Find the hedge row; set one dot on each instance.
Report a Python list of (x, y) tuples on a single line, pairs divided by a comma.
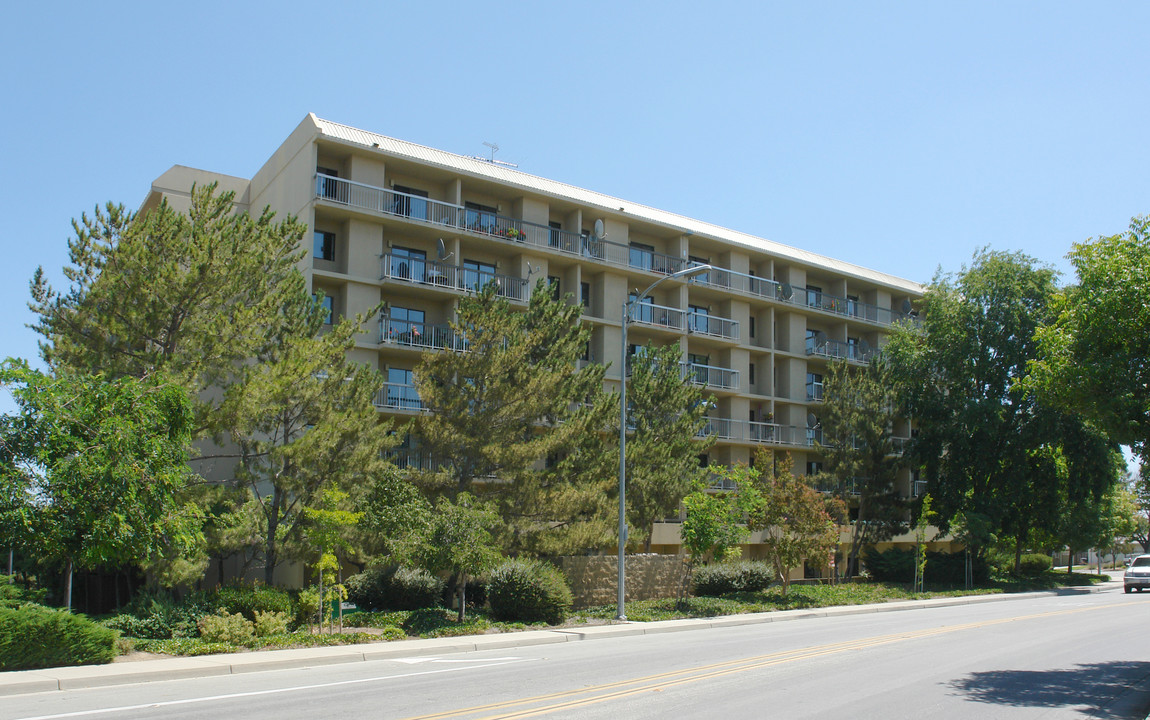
[(34, 636)]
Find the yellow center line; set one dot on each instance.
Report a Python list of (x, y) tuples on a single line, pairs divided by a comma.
[(568, 699)]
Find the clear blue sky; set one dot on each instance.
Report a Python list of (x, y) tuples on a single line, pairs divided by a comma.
[(899, 136)]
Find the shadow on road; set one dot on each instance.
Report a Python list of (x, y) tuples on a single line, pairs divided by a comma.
[(1099, 690)]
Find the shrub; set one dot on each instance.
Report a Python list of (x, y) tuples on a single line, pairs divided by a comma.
[(895, 565), (224, 627), (725, 578), (247, 600), (157, 616), (1034, 564), (12, 595), (529, 591), (271, 623), (33, 636), (394, 588)]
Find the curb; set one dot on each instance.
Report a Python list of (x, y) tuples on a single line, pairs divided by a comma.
[(21, 682)]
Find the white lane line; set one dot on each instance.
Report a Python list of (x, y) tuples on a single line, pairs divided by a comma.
[(254, 693)]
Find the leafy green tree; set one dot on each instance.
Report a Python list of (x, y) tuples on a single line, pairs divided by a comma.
[(667, 415), (859, 455), (457, 538), (714, 524), (510, 401), (93, 470), (327, 525), (792, 517), (990, 448), (1095, 355)]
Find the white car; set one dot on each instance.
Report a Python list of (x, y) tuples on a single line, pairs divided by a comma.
[(1137, 574)]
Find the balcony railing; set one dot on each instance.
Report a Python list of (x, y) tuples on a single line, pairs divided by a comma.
[(437, 212), (710, 375), (420, 335), (437, 274), (836, 349), (918, 488), (397, 396), (815, 391), (658, 316), (850, 487), (754, 432), (407, 459), (712, 325)]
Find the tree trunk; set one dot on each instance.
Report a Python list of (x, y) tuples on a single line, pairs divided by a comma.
[(68, 585), (270, 547), (1018, 556), (462, 595)]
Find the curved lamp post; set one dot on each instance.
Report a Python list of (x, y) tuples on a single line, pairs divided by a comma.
[(687, 272)]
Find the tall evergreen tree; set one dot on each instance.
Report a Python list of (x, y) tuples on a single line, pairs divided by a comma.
[(859, 456), (510, 400), (668, 418)]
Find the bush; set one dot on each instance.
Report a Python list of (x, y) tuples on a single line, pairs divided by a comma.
[(156, 616), (1034, 564), (12, 595), (33, 636), (247, 600), (529, 591), (942, 568), (224, 627), (725, 578), (271, 623), (394, 588)]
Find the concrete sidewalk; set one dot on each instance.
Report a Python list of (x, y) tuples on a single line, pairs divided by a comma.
[(67, 678)]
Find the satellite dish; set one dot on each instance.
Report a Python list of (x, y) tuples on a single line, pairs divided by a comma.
[(600, 232), (906, 307), (812, 421), (440, 249), (786, 291)]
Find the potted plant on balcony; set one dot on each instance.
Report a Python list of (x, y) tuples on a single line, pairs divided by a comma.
[(516, 234)]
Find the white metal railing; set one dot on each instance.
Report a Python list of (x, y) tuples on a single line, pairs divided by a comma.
[(753, 432), (815, 391), (712, 325), (436, 212), (434, 273), (837, 349), (420, 335), (658, 316), (918, 488), (710, 375), (398, 396)]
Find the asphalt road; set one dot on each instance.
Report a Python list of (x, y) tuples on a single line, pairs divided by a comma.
[(1073, 655)]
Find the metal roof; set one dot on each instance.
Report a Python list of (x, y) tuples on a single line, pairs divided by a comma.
[(510, 176)]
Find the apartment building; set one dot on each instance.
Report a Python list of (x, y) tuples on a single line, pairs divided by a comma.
[(419, 228)]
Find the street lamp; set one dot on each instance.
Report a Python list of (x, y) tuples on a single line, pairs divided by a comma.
[(686, 272)]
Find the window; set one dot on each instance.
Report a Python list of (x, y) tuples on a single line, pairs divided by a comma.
[(555, 230), (553, 283), (586, 351), (697, 320), (328, 304), (401, 390), (696, 260), (641, 310), (751, 368), (480, 218), (324, 248), (853, 305), (477, 274), (752, 326), (408, 263), (853, 352), (812, 340), (814, 468), (814, 386), (410, 202), (814, 296), (326, 187), (642, 256), (585, 295), (406, 327)]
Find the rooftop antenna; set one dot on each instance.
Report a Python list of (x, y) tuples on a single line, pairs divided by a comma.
[(491, 159), (494, 149)]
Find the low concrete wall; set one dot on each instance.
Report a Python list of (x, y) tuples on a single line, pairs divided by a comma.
[(594, 578)]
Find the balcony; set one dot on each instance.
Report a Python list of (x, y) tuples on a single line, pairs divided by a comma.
[(712, 325), (838, 350), (408, 459), (659, 316), (421, 209), (396, 396), (753, 432), (420, 335), (850, 487), (451, 277), (710, 375), (814, 392)]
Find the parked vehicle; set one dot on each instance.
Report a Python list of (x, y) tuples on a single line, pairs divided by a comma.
[(1137, 574)]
